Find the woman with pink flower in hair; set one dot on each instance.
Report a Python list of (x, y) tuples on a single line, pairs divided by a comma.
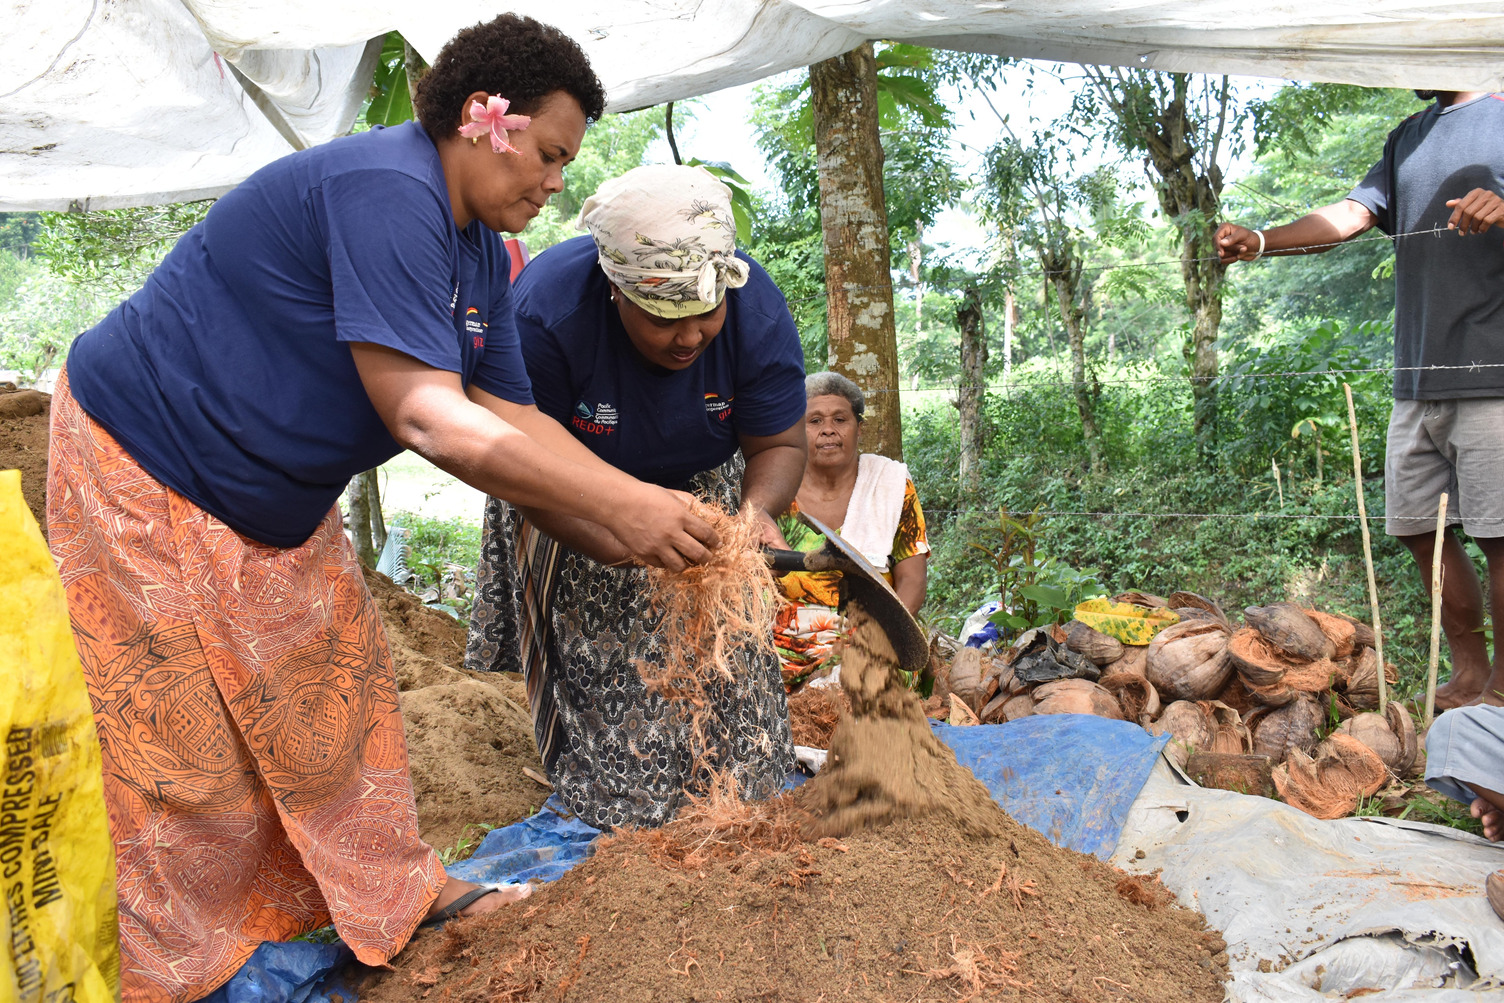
[(343, 303)]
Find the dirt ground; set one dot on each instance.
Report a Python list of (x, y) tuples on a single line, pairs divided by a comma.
[(469, 735), (914, 911), (23, 443)]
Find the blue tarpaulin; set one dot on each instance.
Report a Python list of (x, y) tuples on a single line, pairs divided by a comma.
[(1070, 776)]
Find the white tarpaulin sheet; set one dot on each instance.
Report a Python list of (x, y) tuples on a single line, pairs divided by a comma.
[(1315, 910), (123, 102)]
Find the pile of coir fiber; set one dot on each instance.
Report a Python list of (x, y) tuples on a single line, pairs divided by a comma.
[(951, 899)]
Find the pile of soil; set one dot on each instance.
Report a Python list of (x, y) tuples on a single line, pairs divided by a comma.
[(469, 734), (23, 443), (919, 910), (891, 875)]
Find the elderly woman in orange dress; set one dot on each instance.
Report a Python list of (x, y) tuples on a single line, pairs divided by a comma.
[(873, 505)]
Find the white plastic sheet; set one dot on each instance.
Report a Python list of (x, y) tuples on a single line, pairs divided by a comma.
[(1315, 910), (122, 102)]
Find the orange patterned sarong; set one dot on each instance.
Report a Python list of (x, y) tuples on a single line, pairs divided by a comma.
[(255, 768)]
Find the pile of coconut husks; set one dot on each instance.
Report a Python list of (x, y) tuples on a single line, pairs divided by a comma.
[(1284, 704)]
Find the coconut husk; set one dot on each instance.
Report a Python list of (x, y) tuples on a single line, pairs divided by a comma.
[(960, 713), (1343, 772), (992, 713), (1403, 726), (1287, 626), (1017, 707), (1342, 632), (1256, 658), (1315, 677), (1134, 662), (1235, 694), (1292, 726), (1142, 599), (1075, 696), (1373, 731), (1362, 685), (1362, 632), (1189, 725), (1230, 735), (1245, 774), (1092, 643), (1189, 661), (964, 677), (1187, 604), (1277, 695), (1136, 696)]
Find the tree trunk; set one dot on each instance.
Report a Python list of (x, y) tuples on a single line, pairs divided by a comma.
[(916, 272), (360, 520), (1065, 273), (1010, 322), (371, 479), (854, 224), (973, 387)]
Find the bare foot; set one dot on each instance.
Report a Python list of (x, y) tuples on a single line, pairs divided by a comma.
[(1491, 817), (1458, 693), (454, 889)]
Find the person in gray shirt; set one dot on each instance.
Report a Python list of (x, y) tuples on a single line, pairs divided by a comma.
[(1442, 170)]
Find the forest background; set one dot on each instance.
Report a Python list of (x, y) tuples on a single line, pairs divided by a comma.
[(1087, 405)]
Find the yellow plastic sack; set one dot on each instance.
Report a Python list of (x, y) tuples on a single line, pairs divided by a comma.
[(57, 864), (1126, 621)]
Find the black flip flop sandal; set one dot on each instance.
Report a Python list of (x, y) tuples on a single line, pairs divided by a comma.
[(454, 908)]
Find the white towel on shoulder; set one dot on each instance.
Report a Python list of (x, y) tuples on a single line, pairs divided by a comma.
[(875, 508)]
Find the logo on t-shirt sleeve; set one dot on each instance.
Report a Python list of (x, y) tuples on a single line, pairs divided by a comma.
[(717, 407), (598, 420)]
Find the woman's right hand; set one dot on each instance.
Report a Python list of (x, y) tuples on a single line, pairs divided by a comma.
[(658, 528)]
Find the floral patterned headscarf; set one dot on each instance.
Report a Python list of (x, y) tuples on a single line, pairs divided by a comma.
[(666, 237)]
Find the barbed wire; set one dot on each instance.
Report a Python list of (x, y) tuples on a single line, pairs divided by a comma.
[(1177, 262), (1017, 513), (1221, 379)]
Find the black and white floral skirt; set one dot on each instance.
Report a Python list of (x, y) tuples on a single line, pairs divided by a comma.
[(617, 754)]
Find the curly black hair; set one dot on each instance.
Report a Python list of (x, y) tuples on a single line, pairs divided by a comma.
[(517, 57)]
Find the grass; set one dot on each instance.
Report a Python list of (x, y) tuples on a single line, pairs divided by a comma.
[(469, 839)]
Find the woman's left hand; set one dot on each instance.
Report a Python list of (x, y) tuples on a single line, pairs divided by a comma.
[(771, 536)]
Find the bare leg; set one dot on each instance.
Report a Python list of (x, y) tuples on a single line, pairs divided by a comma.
[(1493, 550), (1461, 613)]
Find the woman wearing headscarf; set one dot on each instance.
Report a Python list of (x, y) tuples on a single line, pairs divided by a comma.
[(342, 303), (869, 500), (672, 357)]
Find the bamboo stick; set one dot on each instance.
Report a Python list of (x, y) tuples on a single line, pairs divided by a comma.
[(1277, 485), (1441, 525), (1373, 588)]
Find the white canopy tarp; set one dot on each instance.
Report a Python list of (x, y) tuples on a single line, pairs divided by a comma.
[(108, 103)]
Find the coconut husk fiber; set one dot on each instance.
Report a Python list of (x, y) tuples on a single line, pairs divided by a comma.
[(729, 903), (709, 611), (1329, 786), (813, 713), (885, 763)]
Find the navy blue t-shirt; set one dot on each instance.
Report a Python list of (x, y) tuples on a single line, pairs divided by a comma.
[(228, 377), (655, 424)]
